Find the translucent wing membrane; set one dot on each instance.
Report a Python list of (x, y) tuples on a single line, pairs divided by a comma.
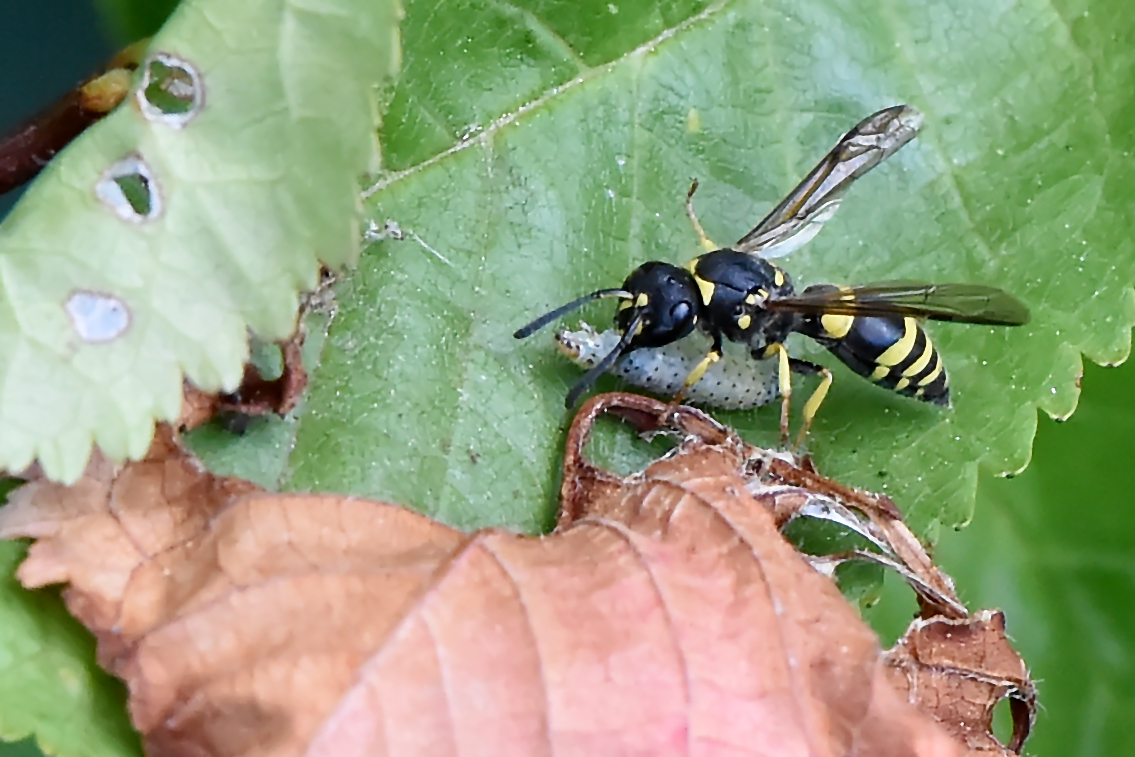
[(802, 214), (967, 303)]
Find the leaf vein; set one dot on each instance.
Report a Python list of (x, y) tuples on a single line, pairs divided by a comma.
[(543, 100)]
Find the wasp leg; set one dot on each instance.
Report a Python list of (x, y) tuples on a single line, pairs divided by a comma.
[(785, 379), (705, 241), (788, 366), (699, 370), (803, 367)]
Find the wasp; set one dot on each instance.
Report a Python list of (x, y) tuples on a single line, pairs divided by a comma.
[(737, 293)]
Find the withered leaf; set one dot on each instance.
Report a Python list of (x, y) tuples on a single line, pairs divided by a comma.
[(666, 615), (958, 670)]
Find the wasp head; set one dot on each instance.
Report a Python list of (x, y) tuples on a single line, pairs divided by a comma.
[(663, 301)]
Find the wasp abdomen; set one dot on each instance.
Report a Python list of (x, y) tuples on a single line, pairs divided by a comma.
[(893, 351)]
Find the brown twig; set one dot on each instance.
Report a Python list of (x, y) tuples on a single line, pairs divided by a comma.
[(31, 145)]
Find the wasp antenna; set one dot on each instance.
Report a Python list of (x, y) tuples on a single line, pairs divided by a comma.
[(544, 320), (608, 360)]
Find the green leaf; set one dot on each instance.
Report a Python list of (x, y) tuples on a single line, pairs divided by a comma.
[(538, 151), (49, 684), (158, 239)]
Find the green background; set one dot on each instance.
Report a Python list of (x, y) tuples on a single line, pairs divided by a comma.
[(1054, 547)]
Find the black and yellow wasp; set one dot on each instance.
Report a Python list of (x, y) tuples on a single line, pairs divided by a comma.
[(735, 293)]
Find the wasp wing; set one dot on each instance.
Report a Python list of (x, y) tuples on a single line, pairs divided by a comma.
[(966, 303), (805, 210)]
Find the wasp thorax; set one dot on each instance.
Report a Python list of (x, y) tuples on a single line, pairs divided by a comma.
[(666, 297)]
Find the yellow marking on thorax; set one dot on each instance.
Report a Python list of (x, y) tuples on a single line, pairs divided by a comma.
[(706, 288), (641, 300), (837, 326), (923, 360), (751, 299), (778, 277), (933, 374), (624, 304), (898, 351), (744, 322)]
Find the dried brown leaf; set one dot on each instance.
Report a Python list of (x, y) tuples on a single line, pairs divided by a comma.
[(958, 670), (665, 616), (95, 534)]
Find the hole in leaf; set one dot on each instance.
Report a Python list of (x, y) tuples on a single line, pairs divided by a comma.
[(1003, 721), (171, 91), (97, 317), (128, 188), (612, 448)]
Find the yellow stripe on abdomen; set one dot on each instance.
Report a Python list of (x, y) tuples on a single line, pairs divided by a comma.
[(929, 378), (895, 354), (919, 365)]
